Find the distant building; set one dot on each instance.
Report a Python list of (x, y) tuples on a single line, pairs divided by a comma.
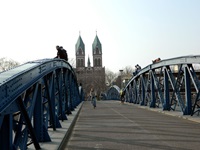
[(90, 75)]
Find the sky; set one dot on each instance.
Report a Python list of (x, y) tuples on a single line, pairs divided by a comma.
[(131, 31)]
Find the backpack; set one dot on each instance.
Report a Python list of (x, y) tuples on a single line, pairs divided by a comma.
[(65, 56)]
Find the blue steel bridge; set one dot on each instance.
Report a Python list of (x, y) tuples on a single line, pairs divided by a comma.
[(34, 97), (171, 84), (37, 96)]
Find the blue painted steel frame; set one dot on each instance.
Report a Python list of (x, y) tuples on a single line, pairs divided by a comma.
[(33, 98), (157, 85), (113, 93)]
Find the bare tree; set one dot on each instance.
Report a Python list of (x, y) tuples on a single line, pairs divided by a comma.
[(196, 67), (123, 76), (72, 62), (128, 71), (110, 77), (6, 64)]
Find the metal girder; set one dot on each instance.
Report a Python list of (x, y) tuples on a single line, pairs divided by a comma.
[(68, 93), (27, 122), (29, 97), (134, 87), (143, 88), (130, 94), (178, 86), (166, 105), (147, 89), (71, 92), (39, 118), (158, 89), (193, 106), (176, 90), (138, 89)]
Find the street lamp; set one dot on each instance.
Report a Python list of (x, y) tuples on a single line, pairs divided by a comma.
[(121, 78)]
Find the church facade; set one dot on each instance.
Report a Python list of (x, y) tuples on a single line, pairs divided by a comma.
[(90, 76)]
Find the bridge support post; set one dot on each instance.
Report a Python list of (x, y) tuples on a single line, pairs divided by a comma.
[(153, 98), (6, 132), (135, 93), (59, 81), (143, 89), (68, 93), (131, 93), (28, 123), (166, 105), (188, 109), (39, 127), (73, 95)]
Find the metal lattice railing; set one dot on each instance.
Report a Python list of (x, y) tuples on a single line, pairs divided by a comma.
[(33, 98), (161, 85)]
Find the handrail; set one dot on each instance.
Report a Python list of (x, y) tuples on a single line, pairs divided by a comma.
[(190, 59)]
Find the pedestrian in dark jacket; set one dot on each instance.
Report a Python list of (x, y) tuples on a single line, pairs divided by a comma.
[(61, 53)]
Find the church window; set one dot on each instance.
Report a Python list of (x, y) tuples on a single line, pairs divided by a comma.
[(81, 62), (95, 62), (80, 51), (97, 50), (78, 63), (99, 62)]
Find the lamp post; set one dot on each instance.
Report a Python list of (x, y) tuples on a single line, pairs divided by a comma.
[(121, 78)]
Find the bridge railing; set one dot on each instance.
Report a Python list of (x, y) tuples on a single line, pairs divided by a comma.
[(161, 85), (33, 98)]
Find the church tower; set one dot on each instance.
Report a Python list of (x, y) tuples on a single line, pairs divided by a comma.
[(80, 53), (97, 53), (87, 74)]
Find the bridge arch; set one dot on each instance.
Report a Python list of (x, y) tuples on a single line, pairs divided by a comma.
[(161, 85), (33, 98), (113, 93)]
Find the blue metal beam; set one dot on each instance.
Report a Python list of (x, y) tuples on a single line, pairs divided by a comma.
[(29, 97), (166, 105), (188, 108)]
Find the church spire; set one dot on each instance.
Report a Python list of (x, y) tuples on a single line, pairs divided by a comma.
[(88, 63), (96, 44), (80, 44), (97, 52), (80, 52)]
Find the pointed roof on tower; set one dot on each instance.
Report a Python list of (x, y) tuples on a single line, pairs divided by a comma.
[(80, 44), (96, 43)]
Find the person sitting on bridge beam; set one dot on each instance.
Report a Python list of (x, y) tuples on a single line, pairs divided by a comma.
[(61, 53), (156, 60), (137, 69)]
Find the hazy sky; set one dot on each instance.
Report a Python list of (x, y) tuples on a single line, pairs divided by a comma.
[(131, 31)]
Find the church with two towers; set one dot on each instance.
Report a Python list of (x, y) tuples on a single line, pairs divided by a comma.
[(90, 76)]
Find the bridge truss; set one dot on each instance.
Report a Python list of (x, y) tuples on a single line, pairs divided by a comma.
[(113, 93), (172, 84), (33, 98)]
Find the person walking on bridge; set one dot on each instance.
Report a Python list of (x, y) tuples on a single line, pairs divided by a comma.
[(122, 93), (93, 97)]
